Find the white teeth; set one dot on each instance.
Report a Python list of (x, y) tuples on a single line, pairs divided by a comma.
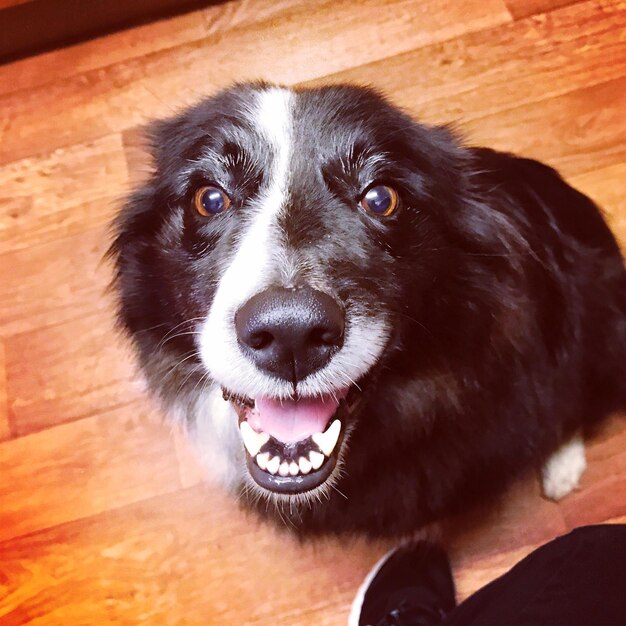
[(328, 440), (316, 459), (305, 465), (251, 439), (262, 459), (272, 466)]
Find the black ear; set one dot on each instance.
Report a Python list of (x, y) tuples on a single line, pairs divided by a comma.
[(411, 585), (180, 138), (171, 141), (577, 215)]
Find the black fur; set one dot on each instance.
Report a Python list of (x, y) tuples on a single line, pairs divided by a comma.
[(506, 289)]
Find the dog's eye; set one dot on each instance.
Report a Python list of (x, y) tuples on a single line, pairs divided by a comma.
[(380, 200), (210, 201)]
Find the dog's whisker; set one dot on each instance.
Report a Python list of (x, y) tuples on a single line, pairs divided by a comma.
[(164, 339)]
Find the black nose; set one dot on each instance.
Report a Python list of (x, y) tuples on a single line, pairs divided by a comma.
[(290, 333)]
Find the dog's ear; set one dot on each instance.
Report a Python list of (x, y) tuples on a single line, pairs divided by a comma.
[(152, 150), (169, 140)]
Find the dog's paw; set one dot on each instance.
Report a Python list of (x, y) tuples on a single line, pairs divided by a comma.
[(563, 469)]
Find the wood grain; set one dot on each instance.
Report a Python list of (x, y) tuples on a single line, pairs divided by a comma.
[(503, 68), (524, 8), (123, 95), (60, 382), (136, 42), (76, 470), (105, 515), (61, 193), (11, 3), (5, 427), (602, 492), (54, 282), (606, 186), (570, 132), (176, 559)]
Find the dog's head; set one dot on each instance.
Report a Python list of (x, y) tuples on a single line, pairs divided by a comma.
[(280, 254)]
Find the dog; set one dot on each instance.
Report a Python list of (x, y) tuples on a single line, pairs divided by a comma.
[(364, 324)]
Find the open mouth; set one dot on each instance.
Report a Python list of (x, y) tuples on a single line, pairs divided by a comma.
[(292, 446)]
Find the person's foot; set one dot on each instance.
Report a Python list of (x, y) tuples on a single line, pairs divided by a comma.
[(411, 586)]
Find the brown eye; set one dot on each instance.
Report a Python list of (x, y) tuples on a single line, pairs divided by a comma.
[(210, 201), (380, 200)]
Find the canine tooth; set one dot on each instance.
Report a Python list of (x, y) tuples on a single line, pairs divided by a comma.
[(283, 470), (251, 439), (272, 465), (328, 440), (294, 470), (262, 459), (305, 465), (316, 459)]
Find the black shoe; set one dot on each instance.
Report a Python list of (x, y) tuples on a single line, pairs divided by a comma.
[(411, 586)]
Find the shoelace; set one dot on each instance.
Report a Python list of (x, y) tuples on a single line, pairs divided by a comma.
[(405, 615)]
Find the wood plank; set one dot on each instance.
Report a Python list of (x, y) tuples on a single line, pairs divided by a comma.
[(5, 426), (135, 42), (602, 491), (576, 133), (67, 371), (321, 46), (468, 580), (34, 27), (524, 8), (472, 574), (61, 193), (11, 3), (83, 468), (68, 61), (108, 519), (518, 518), (189, 549), (506, 67), (124, 95), (239, 13), (185, 550), (137, 155), (54, 282), (607, 187)]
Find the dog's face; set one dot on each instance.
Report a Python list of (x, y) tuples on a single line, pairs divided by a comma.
[(278, 256)]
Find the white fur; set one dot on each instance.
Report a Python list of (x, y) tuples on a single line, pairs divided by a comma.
[(253, 265), (216, 436), (261, 259), (563, 469)]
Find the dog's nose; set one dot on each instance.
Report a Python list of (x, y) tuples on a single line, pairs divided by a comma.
[(290, 333)]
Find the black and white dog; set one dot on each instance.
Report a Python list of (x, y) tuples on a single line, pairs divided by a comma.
[(364, 324)]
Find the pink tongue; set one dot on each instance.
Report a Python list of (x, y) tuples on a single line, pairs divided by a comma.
[(292, 420)]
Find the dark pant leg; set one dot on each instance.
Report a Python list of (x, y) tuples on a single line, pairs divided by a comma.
[(576, 580)]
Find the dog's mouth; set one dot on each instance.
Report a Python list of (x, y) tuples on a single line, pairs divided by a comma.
[(292, 445)]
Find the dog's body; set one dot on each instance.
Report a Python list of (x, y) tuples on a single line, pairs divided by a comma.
[(454, 315)]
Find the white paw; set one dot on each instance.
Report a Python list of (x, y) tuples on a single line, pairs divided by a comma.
[(563, 469)]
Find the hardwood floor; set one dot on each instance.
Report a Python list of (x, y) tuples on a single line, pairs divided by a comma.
[(104, 518)]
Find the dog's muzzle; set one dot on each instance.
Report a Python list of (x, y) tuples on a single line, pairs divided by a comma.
[(292, 444)]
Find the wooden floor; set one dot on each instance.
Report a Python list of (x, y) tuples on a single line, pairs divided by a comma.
[(103, 515)]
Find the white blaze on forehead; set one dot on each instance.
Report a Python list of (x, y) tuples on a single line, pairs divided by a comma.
[(260, 260), (253, 266)]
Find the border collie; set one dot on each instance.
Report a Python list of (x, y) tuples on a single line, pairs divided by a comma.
[(364, 324)]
